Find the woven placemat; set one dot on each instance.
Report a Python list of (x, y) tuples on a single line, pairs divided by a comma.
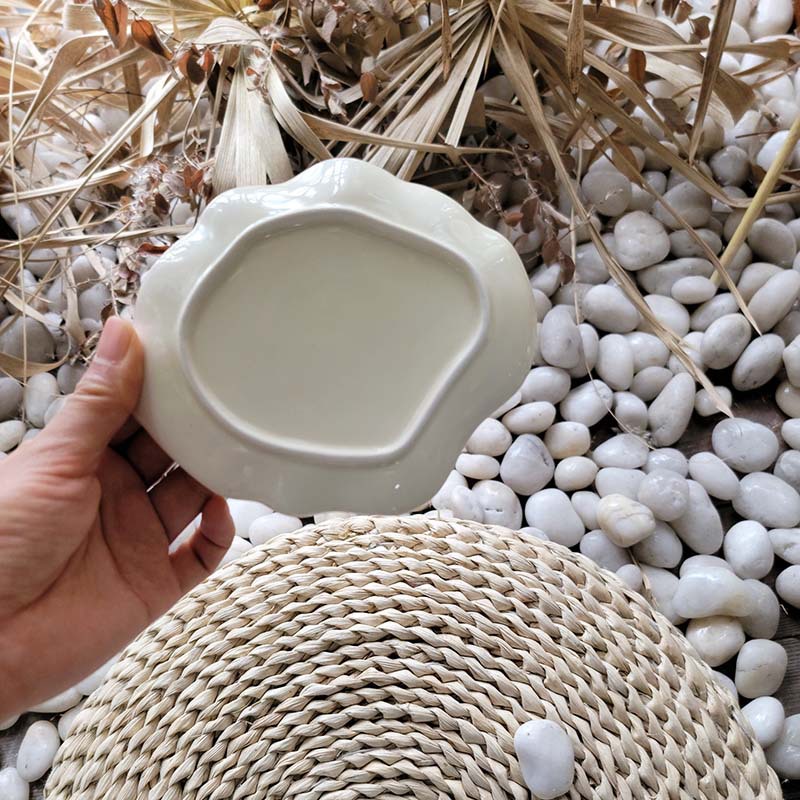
[(394, 658)]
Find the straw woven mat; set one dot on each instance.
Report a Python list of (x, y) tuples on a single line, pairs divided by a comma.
[(394, 658)]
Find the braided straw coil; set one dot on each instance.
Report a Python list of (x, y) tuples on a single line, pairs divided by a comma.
[(395, 658)]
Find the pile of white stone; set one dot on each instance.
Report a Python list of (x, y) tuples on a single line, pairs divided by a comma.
[(544, 463)]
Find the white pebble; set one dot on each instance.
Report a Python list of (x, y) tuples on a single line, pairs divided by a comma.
[(790, 431), (560, 340), (706, 406), (726, 683), (663, 585), (787, 468), (585, 505), (725, 340), (630, 412), (37, 751), (770, 304), (623, 520), (464, 504), (701, 563), (267, 527), (640, 240), (766, 717), (716, 639), (712, 592), (478, 467), (615, 361), (787, 585), (441, 500), (244, 513), (662, 548), (608, 191), (760, 668), (609, 309), (787, 397), (551, 511), (66, 722), (744, 445), (626, 450), (784, 755), (714, 475), (671, 314), (688, 200), (614, 480), (534, 417), (748, 549), (490, 438), (758, 363), (771, 18), (565, 439), (528, 466), (597, 546), (764, 617), (587, 403), (667, 458), (650, 381), (648, 350), (772, 241), (665, 493), (39, 392), (631, 576), (768, 500), (575, 472), (671, 411), (693, 289), (785, 544), (548, 384), (546, 758), (499, 504), (791, 361), (512, 402), (11, 433), (12, 786), (60, 703)]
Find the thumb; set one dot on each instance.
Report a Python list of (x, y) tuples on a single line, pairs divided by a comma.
[(103, 399)]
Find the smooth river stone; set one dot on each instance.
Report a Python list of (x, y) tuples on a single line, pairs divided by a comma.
[(499, 504), (276, 524), (688, 200), (766, 717), (527, 466), (40, 391), (631, 576), (640, 240), (667, 458), (565, 439), (534, 417), (725, 340), (787, 585), (11, 433), (693, 289), (608, 309), (623, 520), (714, 475), (608, 191), (748, 549), (786, 544), (791, 361), (560, 340), (706, 406), (625, 450), (762, 621), (773, 242), (512, 402), (712, 310), (37, 750), (630, 412), (463, 504), (650, 381), (589, 264), (615, 480), (10, 398), (665, 493), (551, 511), (787, 398), (615, 361), (754, 276), (12, 786), (787, 468), (700, 527), (648, 350), (59, 703), (660, 278), (712, 592), (771, 303), (440, 501), (575, 472), (790, 431), (770, 19), (587, 403), (716, 639), (245, 512), (759, 363), (490, 438), (744, 445), (546, 758), (760, 668), (585, 505), (597, 546), (701, 563), (27, 332), (478, 467), (671, 314), (662, 548), (590, 345), (769, 500), (671, 411), (663, 585), (547, 384)]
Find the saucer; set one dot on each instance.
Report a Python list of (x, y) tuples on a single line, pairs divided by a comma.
[(331, 342)]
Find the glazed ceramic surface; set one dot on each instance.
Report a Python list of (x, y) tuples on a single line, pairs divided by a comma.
[(331, 342)]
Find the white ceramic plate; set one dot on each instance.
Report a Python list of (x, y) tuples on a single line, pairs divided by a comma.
[(331, 342)]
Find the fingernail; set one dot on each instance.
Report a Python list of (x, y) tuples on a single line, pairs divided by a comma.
[(114, 342)]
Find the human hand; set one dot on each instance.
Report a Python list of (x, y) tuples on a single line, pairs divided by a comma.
[(84, 539)]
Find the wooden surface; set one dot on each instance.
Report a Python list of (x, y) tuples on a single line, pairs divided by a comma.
[(698, 437)]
